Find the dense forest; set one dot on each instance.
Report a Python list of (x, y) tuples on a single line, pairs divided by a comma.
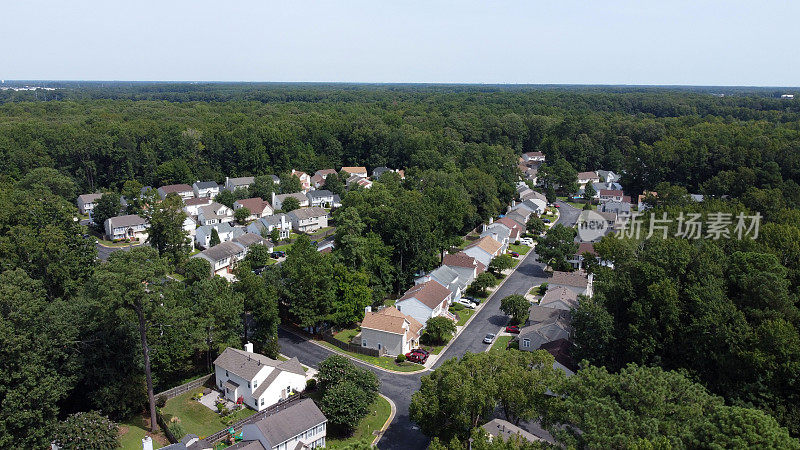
[(723, 313)]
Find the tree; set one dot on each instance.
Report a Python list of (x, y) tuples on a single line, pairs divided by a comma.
[(560, 175), (589, 192), (51, 180), (290, 183), (261, 296), (214, 240), (500, 263), (290, 204), (348, 392), (353, 294), (334, 183), (557, 247), (107, 207), (275, 235), (196, 269), (515, 306), (166, 231), (308, 285), (241, 215), (482, 283), (86, 430), (438, 330), (258, 255), (130, 280), (263, 186), (535, 225), (132, 191), (225, 197)]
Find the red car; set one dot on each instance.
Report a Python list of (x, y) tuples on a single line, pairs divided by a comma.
[(421, 350), (514, 254), (416, 357), (557, 206), (512, 329)]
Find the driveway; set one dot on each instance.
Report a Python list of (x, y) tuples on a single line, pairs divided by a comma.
[(568, 215)]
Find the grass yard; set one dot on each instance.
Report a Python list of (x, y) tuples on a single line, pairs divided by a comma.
[(379, 414), (346, 336), (389, 302), (380, 361), (282, 248), (519, 248), (500, 343), (196, 418), (463, 315), (133, 431)]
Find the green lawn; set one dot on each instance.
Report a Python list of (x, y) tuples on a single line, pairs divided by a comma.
[(500, 343), (380, 361), (282, 248), (196, 418), (134, 432), (535, 290), (521, 249), (463, 315), (389, 302), (346, 336), (379, 413)]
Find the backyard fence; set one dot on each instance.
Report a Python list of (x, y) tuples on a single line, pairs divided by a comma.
[(280, 406), (186, 387), (328, 337)]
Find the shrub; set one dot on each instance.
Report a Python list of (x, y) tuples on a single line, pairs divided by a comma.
[(457, 307), (176, 429), (161, 400), (311, 384), (400, 358), (438, 330)]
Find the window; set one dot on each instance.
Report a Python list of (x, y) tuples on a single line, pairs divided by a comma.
[(363, 342), (255, 384), (248, 384), (226, 373), (262, 401), (526, 343)]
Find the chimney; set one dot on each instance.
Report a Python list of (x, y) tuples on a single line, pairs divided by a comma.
[(491, 220), (226, 181), (248, 347), (147, 443), (368, 309), (513, 203), (483, 228)]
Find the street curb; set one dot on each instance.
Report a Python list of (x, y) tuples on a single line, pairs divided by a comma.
[(392, 412), (352, 358)]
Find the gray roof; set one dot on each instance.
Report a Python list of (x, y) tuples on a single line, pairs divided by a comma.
[(89, 198), (507, 430), (615, 207), (288, 423), (248, 239), (544, 332), (206, 184), (447, 277), (274, 219), (247, 445), (378, 171), (298, 195), (319, 193), (499, 229), (130, 220), (308, 213), (241, 181), (247, 365), (221, 251), (275, 179)]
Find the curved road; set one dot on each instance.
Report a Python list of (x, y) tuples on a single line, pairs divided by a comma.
[(402, 433)]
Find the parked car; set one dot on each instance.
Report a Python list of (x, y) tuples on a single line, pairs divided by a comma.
[(557, 206), (546, 220), (514, 254), (466, 303), (421, 350), (417, 357), (526, 241), (477, 301), (512, 329), (489, 338)]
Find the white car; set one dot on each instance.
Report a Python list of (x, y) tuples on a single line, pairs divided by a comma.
[(466, 303), (489, 338), (526, 241)]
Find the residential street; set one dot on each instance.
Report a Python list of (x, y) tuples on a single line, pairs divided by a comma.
[(402, 433)]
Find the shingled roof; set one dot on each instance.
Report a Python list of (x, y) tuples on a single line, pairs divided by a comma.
[(560, 297), (576, 279), (487, 244), (247, 364), (429, 293), (291, 421), (391, 320)]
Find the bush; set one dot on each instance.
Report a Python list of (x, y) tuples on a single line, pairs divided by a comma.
[(543, 288), (438, 330), (311, 384), (161, 400), (457, 307), (400, 358), (176, 429)]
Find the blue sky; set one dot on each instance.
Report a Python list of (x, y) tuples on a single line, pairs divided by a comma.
[(558, 41)]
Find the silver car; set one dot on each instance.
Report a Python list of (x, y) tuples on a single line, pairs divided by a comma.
[(489, 338)]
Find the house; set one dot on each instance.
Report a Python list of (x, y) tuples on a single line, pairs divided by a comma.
[(268, 223), (534, 206), (578, 282), (322, 198), (532, 174), (275, 179), (484, 250), (233, 184), (203, 189), (499, 233), (561, 349), (87, 202), (353, 180), (577, 258), (296, 426), (515, 228), (305, 179), (360, 171), (190, 227), (426, 300), (559, 298), (191, 206), (213, 214), (364, 183), (445, 276), (532, 337), (320, 176), (611, 195), (533, 157), (255, 379), (607, 176), (519, 216), (389, 331), (184, 191), (129, 226), (247, 240), (642, 204), (530, 194), (378, 171), (310, 219), (622, 208), (588, 177), (277, 200), (223, 256), (507, 431), (257, 206), (225, 231), (467, 268), (337, 201)]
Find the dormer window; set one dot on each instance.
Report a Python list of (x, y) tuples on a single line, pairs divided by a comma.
[(255, 384)]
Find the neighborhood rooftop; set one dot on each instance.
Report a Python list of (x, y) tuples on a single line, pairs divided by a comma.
[(287, 423), (576, 279), (430, 293), (247, 364)]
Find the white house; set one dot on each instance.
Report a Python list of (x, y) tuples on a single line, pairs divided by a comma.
[(467, 267), (277, 200), (533, 206), (499, 233), (268, 223), (426, 300), (87, 202), (225, 231), (235, 183), (192, 206), (208, 189), (484, 250), (320, 176), (184, 191), (213, 214), (533, 157), (259, 381), (305, 179), (607, 195), (359, 170), (223, 256), (126, 227), (588, 177), (445, 276), (321, 197), (298, 425), (310, 219), (258, 208), (389, 331)]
